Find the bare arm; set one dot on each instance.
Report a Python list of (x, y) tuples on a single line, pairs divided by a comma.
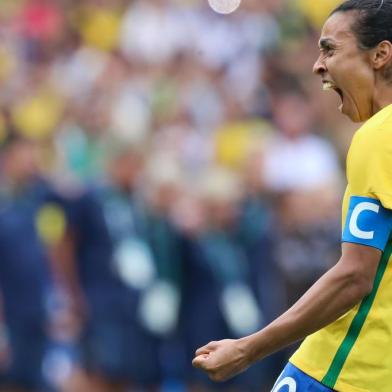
[(336, 292)]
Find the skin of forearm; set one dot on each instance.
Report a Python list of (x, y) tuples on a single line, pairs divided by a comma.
[(330, 297)]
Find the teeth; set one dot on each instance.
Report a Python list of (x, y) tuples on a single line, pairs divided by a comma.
[(328, 86)]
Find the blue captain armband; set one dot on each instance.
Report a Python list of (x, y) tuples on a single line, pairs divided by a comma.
[(367, 223)]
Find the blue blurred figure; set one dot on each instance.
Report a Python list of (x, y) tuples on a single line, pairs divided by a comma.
[(230, 269), (31, 221), (114, 264)]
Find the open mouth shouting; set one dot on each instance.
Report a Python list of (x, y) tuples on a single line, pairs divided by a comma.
[(329, 85)]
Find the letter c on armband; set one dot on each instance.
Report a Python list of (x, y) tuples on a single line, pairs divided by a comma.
[(367, 223), (286, 382), (353, 225)]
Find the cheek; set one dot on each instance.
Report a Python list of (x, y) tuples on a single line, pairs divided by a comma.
[(360, 69), (362, 85), (355, 75)]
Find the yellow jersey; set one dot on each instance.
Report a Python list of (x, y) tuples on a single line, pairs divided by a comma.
[(354, 353)]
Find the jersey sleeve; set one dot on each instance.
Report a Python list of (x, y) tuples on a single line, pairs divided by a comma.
[(380, 176), (370, 167)]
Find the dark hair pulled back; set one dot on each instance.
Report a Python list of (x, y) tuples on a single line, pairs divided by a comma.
[(373, 23)]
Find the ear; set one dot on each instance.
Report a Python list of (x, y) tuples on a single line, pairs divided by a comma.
[(382, 54)]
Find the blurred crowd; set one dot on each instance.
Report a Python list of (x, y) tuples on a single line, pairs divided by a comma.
[(168, 176)]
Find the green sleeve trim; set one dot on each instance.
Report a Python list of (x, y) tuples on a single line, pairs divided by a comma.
[(356, 325)]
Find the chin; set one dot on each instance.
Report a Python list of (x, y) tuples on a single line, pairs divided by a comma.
[(353, 116)]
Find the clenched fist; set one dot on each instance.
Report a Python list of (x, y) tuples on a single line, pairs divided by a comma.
[(223, 359)]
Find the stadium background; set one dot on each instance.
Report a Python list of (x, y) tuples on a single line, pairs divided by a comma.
[(230, 147)]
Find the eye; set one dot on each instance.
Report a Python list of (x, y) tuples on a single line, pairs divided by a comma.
[(327, 51), (330, 52)]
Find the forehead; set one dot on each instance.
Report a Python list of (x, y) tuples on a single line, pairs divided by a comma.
[(337, 28)]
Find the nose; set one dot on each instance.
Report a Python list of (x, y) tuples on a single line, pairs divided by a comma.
[(319, 66)]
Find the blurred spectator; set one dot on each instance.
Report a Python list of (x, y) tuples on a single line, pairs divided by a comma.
[(225, 264), (295, 158), (31, 212), (152, 32), (114, 266), (302, 169), (161, 302)]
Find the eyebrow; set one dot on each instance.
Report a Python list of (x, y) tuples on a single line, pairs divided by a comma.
[(325, 43)]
